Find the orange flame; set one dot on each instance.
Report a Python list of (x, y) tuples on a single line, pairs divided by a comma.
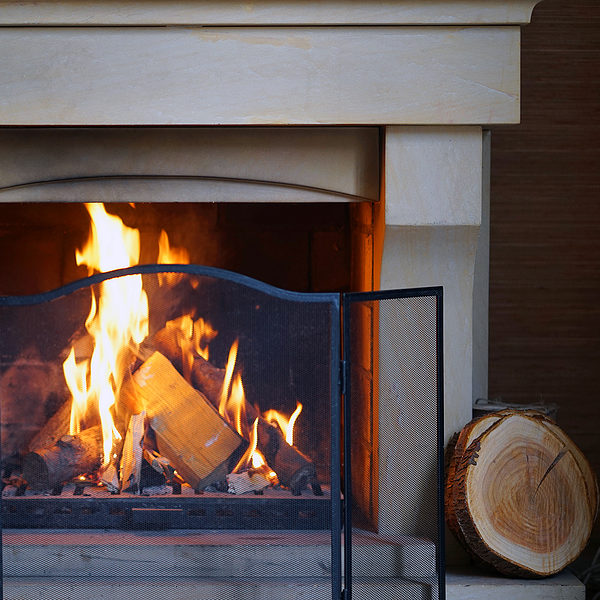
[(193, 338), (170, 255), (286, 425), (117, 323)]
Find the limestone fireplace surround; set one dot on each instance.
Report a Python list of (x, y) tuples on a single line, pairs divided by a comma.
[(432, 78)]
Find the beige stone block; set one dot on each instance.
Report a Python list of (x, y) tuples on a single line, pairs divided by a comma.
[(265, 12), (433, 176), (219, 75)]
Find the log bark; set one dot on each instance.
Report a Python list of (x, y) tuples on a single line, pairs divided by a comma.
[(189, 431), (31, 390), (55, 428), (72, 455), (520, 495), (294, 470)]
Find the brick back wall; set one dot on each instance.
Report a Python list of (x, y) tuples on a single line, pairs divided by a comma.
[(545, 226)]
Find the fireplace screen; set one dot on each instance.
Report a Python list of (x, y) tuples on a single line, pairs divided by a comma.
[(202, 402)]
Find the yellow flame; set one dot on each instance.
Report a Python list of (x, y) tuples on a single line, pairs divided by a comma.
[(286, 425), (117, 322), (76, 379), (254, 458), (170, 255), (227, 379), (192, 338)]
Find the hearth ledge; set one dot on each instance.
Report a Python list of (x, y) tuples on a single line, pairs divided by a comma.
[(461, 585)]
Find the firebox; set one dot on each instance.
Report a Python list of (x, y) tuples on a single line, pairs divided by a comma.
[(243, 418)]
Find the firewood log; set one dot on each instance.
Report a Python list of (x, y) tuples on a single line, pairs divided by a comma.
[(132, 456), (54, 429), (294, 470), (204, 375), (72, 455), (189, 431), (31, 390), (522, 496)]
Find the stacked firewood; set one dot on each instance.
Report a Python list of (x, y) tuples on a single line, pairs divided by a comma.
[(173, 424)]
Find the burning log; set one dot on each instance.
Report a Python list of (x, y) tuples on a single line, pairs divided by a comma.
[(204, 375), (189, 431), (294, 470), (520, 495), (72, 455), (132, 457), (54, 429)]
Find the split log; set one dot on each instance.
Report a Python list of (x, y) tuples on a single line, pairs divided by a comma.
[(204, 375), (55, 428), (242, 483), (31, 390), (189, 431), (72, 455), (294, 469), (521, 495), (132, 456)]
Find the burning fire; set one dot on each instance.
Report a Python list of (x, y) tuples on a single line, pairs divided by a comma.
[(117, 324), (168, 255)]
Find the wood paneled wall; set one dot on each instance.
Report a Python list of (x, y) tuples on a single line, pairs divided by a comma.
[(545, 226)]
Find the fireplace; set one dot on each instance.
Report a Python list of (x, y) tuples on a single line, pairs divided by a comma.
[(368, 129), (287, 345)]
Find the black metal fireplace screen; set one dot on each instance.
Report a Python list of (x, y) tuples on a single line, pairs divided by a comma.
[(229, 406)]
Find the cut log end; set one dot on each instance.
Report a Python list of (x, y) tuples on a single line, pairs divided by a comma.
[(520, 496)]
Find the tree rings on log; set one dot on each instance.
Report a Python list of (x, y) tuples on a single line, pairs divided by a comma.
[(520, 496)]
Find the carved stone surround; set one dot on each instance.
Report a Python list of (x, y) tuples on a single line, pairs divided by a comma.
[(433, 75)]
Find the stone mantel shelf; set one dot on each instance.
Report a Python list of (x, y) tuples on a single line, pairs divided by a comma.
[(267, 12)]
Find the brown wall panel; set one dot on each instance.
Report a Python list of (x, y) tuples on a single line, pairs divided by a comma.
[(545, 226)]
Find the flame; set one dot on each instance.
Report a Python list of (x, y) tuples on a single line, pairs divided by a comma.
[(232, 408), (193, 338), (170, 255), (253, 458), (286, 425), (117, 323)]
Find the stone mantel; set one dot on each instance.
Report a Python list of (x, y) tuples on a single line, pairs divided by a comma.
[(267, 12)]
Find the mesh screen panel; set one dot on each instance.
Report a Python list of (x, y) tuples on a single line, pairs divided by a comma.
[(200, 543), (393, 356)]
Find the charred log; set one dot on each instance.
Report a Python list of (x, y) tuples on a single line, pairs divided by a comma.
[(72, 455)]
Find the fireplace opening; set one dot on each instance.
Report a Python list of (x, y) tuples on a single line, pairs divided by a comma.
[(267, 382), (318, 248)]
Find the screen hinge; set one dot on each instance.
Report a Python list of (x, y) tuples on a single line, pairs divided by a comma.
[(343, 378)]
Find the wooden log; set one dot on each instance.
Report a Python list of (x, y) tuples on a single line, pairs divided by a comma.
[(31, 390), (72, 455), (523, 496), (189, 431), (132, 456), (55, 428), (294, 470), (205, 377), (455, 451)]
